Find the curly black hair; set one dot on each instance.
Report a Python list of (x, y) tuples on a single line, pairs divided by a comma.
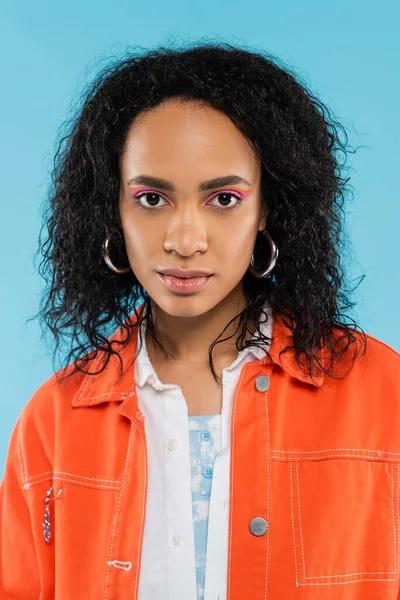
[(302, 151)]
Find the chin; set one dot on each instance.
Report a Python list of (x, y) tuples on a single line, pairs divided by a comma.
[(185, 306)]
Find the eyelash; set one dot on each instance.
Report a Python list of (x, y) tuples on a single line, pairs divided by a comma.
[(237, 195)]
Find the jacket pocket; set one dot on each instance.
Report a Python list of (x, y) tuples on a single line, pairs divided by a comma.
[(72, 507), (72, 531), (345, 519)]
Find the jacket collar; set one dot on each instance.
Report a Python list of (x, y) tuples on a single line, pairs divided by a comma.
[(107, 385)]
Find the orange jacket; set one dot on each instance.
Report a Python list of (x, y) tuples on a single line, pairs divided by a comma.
[(320, 463)]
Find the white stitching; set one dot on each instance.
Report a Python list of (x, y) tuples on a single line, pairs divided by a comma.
[(96, 361), (398, 517), (19, 450), (327, 456), (60, 473), (394, 522), (28, 482), (119, 394), (350, 581), (334, 449), (286, 455), (300, 522), (292, 513), (27, 486), (22, 452), (135, 595), (341, 574), (117, 510)]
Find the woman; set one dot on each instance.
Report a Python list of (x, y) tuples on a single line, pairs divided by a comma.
[(218, 430)]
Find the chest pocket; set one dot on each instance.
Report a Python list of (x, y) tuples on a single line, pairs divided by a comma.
[(345, 519), (79, 511)]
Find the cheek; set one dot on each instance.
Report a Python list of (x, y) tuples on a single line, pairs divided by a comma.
[(237, 241), (139, 244), (134, 228)]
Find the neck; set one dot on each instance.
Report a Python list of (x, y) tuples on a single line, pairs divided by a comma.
[(189, 338)]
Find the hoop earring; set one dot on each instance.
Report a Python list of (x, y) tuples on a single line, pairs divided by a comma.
[(108, 259), (272, 260)]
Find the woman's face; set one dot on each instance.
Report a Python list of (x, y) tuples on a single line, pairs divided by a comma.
[(182, 219)]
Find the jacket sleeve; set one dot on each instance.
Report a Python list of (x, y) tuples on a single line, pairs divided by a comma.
[(19, 572)]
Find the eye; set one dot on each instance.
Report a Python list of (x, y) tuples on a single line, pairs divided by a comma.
[(153, 200), (225, 198)]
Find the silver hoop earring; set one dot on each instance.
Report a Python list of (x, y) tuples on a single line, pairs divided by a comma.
[(108, 260), (272, 260)]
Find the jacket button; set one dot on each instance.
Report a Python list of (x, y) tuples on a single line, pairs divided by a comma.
[(140, 415), (262, 383), (258, 526)]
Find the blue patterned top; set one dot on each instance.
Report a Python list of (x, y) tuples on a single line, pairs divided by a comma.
[(205, 444)]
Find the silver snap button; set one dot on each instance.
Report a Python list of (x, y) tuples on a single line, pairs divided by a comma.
[(258, 526), (262, 383)]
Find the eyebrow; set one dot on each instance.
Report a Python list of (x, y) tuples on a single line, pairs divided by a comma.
[(169, 187)]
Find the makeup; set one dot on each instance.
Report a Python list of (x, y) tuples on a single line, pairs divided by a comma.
[(238, 193)]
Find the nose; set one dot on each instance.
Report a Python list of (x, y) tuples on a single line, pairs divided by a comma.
[(186, 234)]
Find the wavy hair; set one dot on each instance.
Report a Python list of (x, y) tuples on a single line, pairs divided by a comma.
[(302, 151)]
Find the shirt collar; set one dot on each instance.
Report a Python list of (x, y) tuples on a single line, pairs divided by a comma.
[(109, 384)]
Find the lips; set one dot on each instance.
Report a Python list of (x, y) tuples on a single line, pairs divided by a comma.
[(184, 285), (185, 273)]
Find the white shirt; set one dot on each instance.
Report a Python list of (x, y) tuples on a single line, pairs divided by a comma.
[(168, 568)]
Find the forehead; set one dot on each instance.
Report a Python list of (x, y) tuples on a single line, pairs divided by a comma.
[(185, 135)]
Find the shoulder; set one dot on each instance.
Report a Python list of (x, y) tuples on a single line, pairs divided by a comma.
[(382, 359), (32, 441), (57, 390), (384, 364), (360, 361), (45, 411), (383, 351), (376, 366)]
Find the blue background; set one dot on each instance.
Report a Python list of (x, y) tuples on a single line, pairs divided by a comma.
[(346, 51)]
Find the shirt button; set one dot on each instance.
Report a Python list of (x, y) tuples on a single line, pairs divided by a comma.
[(258, 526), (262, 383), (205, 435), (173, 444), (208, 472), (177, 539)]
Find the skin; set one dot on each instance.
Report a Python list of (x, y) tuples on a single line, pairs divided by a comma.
[(187, 143)]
